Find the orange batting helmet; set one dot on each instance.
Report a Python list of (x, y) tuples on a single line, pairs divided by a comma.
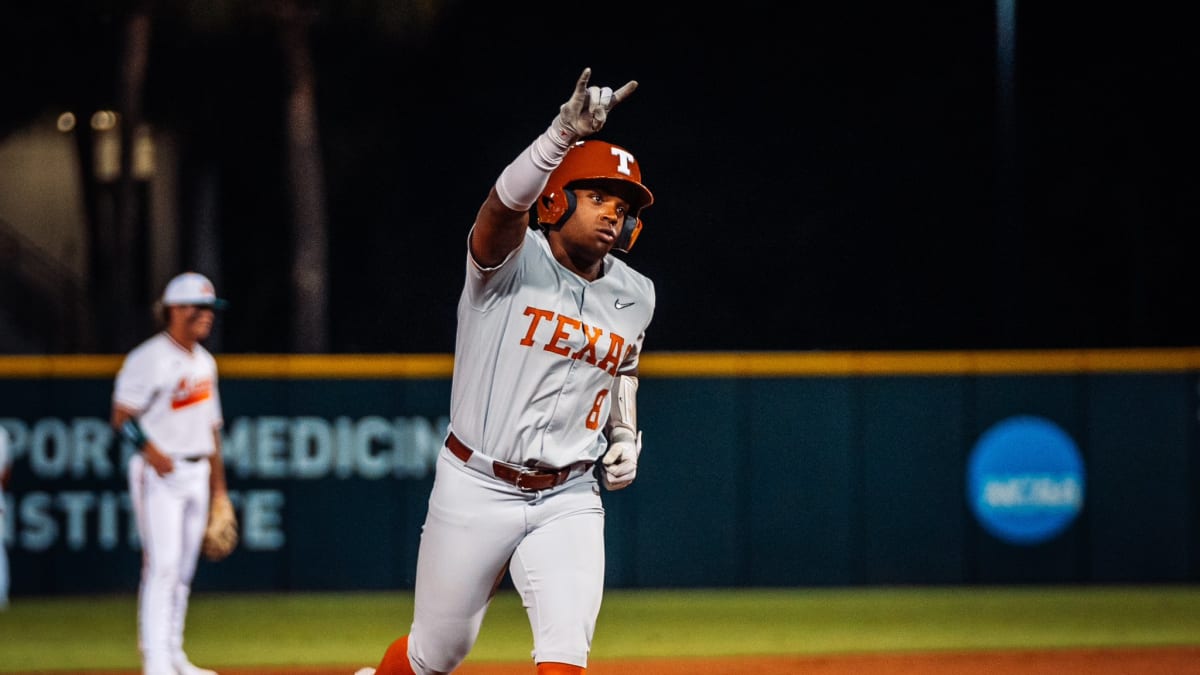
[(588, 161)]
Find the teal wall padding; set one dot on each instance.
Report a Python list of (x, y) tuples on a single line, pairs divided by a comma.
[(827, 480)]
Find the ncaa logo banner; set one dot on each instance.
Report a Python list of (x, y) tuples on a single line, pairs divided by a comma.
[(1025, 480)]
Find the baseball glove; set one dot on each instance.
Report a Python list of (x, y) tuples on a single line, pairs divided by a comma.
[(221, 536)]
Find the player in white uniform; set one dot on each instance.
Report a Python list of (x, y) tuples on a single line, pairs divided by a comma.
[(166, 403), (550, 328)]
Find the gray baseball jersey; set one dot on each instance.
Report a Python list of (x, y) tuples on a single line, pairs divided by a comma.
[(538, 351)]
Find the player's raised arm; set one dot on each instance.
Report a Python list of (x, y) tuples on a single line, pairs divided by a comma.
[(501, 221)]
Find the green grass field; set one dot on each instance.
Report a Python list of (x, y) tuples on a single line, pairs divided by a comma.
[(72, 633)]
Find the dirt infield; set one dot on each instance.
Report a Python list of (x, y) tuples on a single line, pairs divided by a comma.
[(1140, 661)]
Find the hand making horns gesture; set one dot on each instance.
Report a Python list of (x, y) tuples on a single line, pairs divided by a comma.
[(587, 109)]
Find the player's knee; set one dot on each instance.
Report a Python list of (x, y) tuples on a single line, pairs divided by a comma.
[(165, 568)]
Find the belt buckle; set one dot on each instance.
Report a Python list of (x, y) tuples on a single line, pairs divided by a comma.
[(522, 473)]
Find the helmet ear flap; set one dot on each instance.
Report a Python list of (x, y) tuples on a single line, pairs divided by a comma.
[(569, 196), (554, 208), (629, 233)]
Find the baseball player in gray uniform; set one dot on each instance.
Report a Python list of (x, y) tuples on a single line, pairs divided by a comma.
[(166, 403), (550, 329)]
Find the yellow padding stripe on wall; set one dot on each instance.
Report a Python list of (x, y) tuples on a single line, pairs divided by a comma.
[(662, 364), (1016, 362), (248, 366)]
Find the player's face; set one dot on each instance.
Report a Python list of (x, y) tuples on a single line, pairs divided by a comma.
[(194, 321), (594, 226)]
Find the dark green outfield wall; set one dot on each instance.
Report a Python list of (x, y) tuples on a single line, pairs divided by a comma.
[(812, 472)]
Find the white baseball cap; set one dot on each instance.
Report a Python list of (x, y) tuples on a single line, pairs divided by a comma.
[(191, 288)]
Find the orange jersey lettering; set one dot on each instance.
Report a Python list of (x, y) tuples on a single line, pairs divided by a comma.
[(568, 330), (189, 393)]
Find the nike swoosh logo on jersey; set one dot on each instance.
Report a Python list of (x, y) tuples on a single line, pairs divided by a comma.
[(621, 305)]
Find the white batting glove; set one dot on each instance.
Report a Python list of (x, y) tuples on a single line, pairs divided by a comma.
[(587, 109), (620, 461)]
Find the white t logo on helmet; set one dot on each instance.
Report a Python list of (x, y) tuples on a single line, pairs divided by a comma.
[(624, 159)]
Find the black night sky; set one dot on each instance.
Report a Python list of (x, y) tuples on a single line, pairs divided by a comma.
[(840, 176)]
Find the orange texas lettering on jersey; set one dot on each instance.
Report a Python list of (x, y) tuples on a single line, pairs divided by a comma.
[(565, 328), (186, 393)]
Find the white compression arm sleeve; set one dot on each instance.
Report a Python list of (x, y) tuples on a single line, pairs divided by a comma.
[(522, 181), (623, 414)]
